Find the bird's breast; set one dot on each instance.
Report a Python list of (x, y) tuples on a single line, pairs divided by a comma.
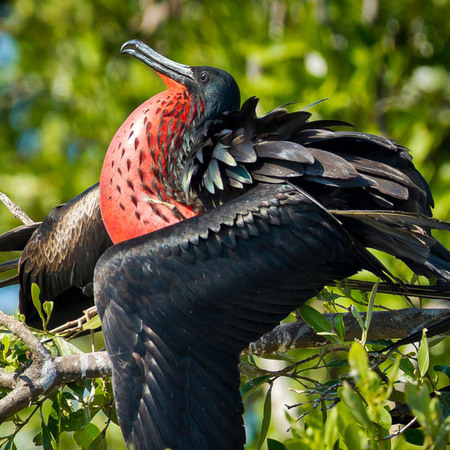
[(138, 192)]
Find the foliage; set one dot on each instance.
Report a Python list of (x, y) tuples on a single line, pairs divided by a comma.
[(353, 406), (64, 90), (72, 409)]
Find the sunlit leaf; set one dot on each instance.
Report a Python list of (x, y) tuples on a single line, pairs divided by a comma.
[(339, 325), (423, 355), (93, 324), (358, 359), (267, 413), (85, 437), (354, 403), (314, 319), (35, 297)]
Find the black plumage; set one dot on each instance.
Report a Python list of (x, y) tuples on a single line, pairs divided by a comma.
[(291, 206), (288, 204)]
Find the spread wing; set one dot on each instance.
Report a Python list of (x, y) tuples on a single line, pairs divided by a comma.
[(177, 307), (343, 170), (60, 257), (346, 170)]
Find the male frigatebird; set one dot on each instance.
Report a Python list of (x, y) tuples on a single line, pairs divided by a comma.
[(250, 217), (224, 222)]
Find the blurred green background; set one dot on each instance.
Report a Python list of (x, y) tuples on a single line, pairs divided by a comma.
[(65, 88)]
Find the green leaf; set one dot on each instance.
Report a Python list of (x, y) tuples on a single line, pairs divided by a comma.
[(443, 369), (253, 384), (418, 400), (10, 444), (356, 314), (5, 343), (266, 418), (35, 296), (407, 366), (358, 359), (314, 319), (380, 416), (373, 294), (93, 324), (339, 325), (423, 355), (85, 437), (65, 348), (354, 403), (272, 444), (330, 428), (37, 439), (48, 442), (77, 420), (414, 436), (99, 443), (48, 308), (354, 437)]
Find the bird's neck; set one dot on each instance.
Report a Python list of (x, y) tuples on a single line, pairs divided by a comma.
[(140, 183)]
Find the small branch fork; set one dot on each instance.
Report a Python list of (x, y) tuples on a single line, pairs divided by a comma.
[(45, 372)]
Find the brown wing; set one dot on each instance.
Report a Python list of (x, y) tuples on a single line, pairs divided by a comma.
[(60, 258)]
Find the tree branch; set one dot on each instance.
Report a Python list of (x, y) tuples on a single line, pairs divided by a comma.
[(45, 372), (16, 210), (396, 324)]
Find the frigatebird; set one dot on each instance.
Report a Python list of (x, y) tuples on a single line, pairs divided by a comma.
[(223, 223), (249, 218)]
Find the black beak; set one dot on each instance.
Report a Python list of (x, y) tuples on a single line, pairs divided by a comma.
[(178, 72)]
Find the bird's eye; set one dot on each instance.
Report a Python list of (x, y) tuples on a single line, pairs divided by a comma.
[(204, 77)]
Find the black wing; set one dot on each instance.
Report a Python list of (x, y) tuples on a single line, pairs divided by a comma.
[(346, 170), (342, 170), (60, 257), (17, 238), (177, 307)]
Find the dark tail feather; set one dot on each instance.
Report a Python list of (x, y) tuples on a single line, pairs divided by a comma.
[(404, 235), (5, 267), (17, 238), (14, 240), (9, 281)]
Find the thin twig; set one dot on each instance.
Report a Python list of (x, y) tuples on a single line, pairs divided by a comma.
[(401, 430), (16, 210)]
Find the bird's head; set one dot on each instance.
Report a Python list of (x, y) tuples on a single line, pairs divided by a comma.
[(216, 90), (141, 181)]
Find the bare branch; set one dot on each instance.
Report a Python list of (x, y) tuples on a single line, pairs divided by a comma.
[(16, 210), (23, 333), (39, 379), (7, 379), (45, 372), (384, 325)]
